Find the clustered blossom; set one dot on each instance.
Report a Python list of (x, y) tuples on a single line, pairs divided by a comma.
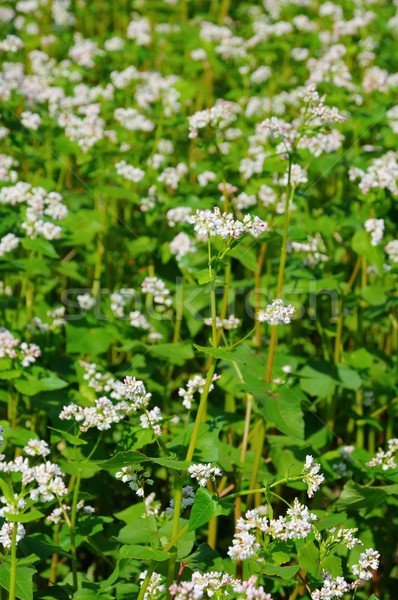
[(311, 476), (8, 243), (297, 524), (333, 587), (157, 287), (204, 473), (313, 249), (156, 587), (228, 323), (40, 207), (368, 562), (182, 245), (13, 348), (276, 313), (132, 396), (218, 584), (137, 477), (188, 497), (385, 460), (382, 174), (129, 172), (195, 384), (376, 229), (218, 116), (392, 250), (6, 533), (209, 224)]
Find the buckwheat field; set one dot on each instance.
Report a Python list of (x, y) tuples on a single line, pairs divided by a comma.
[(198, 299)]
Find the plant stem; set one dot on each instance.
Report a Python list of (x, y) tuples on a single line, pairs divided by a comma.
[(13, 563), (72, 529)]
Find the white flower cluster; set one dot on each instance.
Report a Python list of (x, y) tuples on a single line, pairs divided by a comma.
[(188, 496), (218, 116), (311, 476), (6, 533), (156, 587), (181, 214), (344, 536), (204, 473), (60, 513), (104, 413), (276, 313), (157, 287), (137, 477), (172, 176), (133, 120), (11, 43), (385, 460), (57, 315), (7, 173), (376, 229), (30, 120), (382, 174), (12, 347), (368, 562), (129, 172), (182, 245), (207, 223), (333, 587), (392, 250), (119, 299), (42, 483), (86, 301), (219, 585), (40, 205), (195, 384), (297, 524), (202, 585), (8, 243), (229, 323), (313, 248)]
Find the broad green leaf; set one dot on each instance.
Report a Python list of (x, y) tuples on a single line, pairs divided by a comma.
[(41, 246), (308, 556), (84, 340), (374, 295), (27, 517), (142, 553), (34, 385), (206, 506), (139, 532), (282, 572), (24, 580), (202, 558), (176, 354), (72, 439)]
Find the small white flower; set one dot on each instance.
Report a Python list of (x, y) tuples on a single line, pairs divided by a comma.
[(276, 313)]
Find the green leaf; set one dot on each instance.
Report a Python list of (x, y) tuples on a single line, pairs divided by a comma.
[(124, 459), (282, 572), (282, 408), (72, 439), (27, 517), (139, 532), (41, 545), (176, 354), (374, 295), (34, 385), (358, 497), (361, 245), (142, 553), (23, 584), (202, 558), (308, 556), (41, 246), (205, 507), (84, 340)]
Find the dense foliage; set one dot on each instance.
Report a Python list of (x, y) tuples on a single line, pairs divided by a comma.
[(199, 326)]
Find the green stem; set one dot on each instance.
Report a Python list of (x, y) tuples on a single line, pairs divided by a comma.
[(72, 529), (13, 563)]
